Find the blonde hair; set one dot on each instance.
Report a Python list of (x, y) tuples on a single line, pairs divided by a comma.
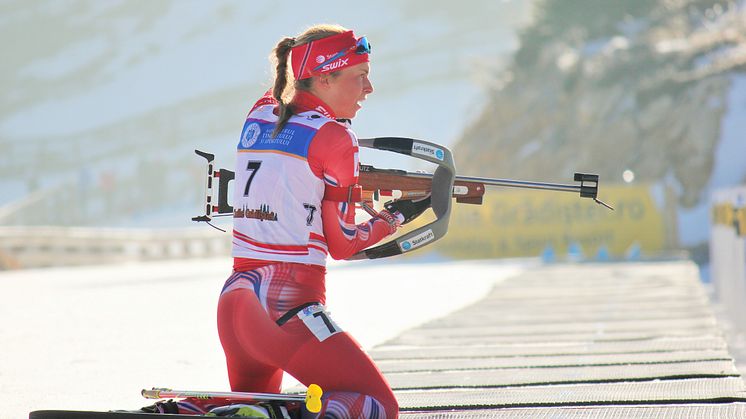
[(285, 84)]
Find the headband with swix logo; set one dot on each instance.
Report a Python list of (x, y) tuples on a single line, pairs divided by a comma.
[(329, 54)]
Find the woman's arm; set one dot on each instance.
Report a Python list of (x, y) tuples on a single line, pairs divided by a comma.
[(333, 155)]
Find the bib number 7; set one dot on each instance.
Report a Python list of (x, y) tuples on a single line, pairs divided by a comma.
[(253, 167), (318, 322)]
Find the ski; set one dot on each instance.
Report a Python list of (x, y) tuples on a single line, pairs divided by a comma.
[(312, 398)]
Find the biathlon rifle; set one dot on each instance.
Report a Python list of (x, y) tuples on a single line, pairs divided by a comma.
[(442, 185)]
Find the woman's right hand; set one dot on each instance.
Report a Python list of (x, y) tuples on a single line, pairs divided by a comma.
[(394, 220)]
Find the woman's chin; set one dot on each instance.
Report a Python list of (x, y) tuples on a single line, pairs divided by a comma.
[(349, 114), (355, 109)]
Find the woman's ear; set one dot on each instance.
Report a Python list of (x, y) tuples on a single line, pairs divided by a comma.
[(323, 81)]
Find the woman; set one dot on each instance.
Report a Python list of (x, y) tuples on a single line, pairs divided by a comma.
[(295, 178)]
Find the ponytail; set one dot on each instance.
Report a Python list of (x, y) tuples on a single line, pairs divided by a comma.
[(281, 53)]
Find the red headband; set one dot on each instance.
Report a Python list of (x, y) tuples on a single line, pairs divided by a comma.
[(307, 59)]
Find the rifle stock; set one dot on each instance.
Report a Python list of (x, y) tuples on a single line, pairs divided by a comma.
[(382, 182)]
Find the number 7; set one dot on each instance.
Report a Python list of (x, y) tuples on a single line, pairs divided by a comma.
[(327, 321), (254, 167)]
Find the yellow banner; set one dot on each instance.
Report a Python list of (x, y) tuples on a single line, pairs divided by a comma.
[(519, 223)]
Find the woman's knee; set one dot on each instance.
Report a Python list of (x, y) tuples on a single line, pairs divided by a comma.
[(390, 406)]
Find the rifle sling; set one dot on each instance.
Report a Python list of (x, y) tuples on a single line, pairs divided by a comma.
[(353, 193)]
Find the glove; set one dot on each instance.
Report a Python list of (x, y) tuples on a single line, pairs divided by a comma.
[(408, 208), (391, 219)]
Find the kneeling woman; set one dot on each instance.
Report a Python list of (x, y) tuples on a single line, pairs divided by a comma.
[(297, 162)]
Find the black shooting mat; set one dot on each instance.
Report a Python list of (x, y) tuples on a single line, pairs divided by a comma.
[(529, 312), (605, 340), (575, 360), (672, 391), (558, 375), (597, 336), (561, 332), (523, 316), (667, 345), (657, 325), (700, 411)]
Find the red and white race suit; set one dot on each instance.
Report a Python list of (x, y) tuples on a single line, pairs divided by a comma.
[(271, 314)]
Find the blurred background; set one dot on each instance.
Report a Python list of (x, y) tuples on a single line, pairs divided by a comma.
[(104, 102)]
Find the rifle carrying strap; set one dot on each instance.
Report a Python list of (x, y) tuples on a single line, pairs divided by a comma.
[(353, 193)]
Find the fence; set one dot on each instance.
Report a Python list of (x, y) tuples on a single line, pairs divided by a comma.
[(34, 247)]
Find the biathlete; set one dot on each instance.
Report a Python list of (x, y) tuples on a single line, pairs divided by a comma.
[(295, 177)]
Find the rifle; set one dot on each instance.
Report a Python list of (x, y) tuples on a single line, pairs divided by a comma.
[(442, 185), (377, 182)]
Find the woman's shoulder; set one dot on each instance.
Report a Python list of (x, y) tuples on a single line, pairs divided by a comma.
[(334, 144), (336, 133)]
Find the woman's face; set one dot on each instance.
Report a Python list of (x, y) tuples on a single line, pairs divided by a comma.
[(345, 90)]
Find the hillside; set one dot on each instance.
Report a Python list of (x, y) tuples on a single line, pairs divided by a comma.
[(653, 87)]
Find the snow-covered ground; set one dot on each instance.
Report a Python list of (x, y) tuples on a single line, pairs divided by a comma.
[(89, 338)]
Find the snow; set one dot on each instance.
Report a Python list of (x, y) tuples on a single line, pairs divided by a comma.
[(191, 51), (65, 61), (423, 69), (138, 60), (90, 338)]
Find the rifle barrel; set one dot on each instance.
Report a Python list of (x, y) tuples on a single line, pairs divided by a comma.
[(508, 183)]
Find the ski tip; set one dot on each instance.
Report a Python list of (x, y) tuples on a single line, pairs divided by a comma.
[(154, 393)]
